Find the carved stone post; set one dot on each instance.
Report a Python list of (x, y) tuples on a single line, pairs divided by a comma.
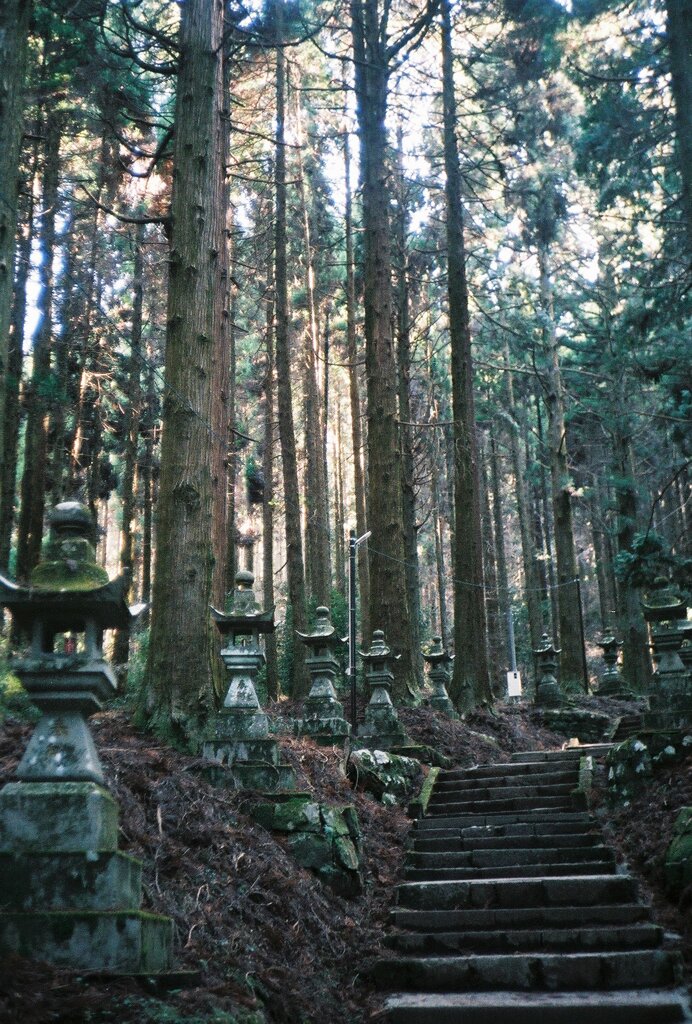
[(439, 662)]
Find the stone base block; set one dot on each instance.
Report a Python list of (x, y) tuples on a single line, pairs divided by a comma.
[(444, 706), (233, 724), (63, 817), (120, 942), (70, 881), (267, 778), (241, 751), (382, 740), (327, 732)]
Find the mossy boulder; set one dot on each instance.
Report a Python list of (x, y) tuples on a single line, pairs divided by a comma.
[(324, 838), (678, 863), (630, 767), (390, 778)]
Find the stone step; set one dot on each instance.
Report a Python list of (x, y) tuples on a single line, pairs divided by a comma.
[(548, 821), (123, 942), (487, 782), (530, 971), (453, 793), (500, 857), (570, 940), (513, 769), (589, 868), (532, 804), (460, 839), (576, 890), (569, 753), (624, 1007), (472, 919)]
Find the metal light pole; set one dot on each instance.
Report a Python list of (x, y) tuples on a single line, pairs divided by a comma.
[(353, 543)]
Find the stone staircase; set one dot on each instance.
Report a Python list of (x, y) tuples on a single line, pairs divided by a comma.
[(513, 910)]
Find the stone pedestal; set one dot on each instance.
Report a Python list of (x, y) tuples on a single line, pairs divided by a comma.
[(382, 729), (238, 737), (439, 662), (323, 715), (68, 895)]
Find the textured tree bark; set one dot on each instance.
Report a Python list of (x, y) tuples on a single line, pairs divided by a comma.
[(408, 491), (317, 539), (33, 492), (388, 595), (500, 553), (15, 359), (15, 16), (679, 37), (179, 673), (471, 679), (571, 657), (359, 448), (294, 541), (268, 472), (636, 665), (131, 423), (521, 497)]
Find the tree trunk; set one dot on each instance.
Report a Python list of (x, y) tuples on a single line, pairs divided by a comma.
[(148, 485), (231, 528), (636, 665), (408, 491), (15, 359), (496, 644), (15, 16), (679, 37), (471, 680), (500, 553), (131, 421), (38, 400), (388, 605), (521, 495), (179, 672), (359, 487), (294, 541), (571, 657), (317, 541), (268, 473)]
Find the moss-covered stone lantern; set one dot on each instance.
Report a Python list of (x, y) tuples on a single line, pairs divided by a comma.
[(439, 663), (323, 714), (671, 695), (382, 728), (611, 682), (238, 737), (548, 692), (68, 895)]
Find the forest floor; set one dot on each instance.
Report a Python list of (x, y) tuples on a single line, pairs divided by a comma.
[(272, 945)]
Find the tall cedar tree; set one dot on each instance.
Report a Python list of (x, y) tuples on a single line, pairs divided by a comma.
[(14, 29), (179, 673), (374, 57), (294, 542), (471, 680)]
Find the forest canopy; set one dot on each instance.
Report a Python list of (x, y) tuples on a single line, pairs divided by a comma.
[(272, 273)]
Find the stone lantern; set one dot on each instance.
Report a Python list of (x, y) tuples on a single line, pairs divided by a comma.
[(611, 681), (323, 715), (439, 663), (238, 736), (382, 728), (547, 690), (69, 897), (671, 696)]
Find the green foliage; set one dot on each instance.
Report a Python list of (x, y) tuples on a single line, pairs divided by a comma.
[(14, 700), (650, 556)]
